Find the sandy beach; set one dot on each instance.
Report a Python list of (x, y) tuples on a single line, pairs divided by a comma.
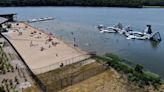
[(42, 51)]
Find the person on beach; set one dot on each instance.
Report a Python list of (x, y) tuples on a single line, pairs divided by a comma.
[(61, 65), (50, 39), (19, 33), (72, 33), (32, 33), (49, 46), (42, 48), (53, 43), (31, 44), (35, 32), (50, 34)]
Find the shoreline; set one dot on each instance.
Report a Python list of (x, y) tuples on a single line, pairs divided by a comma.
[(144, 6), (135, 74), (72, 6), (69, 44), (48, 59)]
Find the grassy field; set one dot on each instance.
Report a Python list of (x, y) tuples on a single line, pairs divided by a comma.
[(69, 75)]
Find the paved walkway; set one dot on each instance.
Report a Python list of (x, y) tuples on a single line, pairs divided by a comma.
[(18, 78)]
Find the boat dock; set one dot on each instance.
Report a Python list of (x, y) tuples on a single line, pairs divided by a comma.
[(40, 19)]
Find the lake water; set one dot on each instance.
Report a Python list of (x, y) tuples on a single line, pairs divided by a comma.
[(82, 21)]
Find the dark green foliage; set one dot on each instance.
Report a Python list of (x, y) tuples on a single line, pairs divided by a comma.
[(2, 89), (115, 3), (119, 3), (139, 68), (5, 66), (153, 2)]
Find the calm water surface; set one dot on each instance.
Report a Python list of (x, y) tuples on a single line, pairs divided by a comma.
[(82, 22)]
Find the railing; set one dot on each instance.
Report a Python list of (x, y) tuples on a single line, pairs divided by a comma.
[(64, 62), (72, 76), (39, 82)]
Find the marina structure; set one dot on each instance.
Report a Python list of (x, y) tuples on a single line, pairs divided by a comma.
[(11, 16)]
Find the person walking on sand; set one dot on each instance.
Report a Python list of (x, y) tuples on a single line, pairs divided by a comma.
[(31, 44), (61, 65), (42, 48), (49, 46)]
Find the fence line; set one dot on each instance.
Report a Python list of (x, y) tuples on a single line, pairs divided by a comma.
[(60, 81), (37, 80), (64, 62)]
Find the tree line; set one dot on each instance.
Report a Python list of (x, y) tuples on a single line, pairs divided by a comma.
[(108, 3)]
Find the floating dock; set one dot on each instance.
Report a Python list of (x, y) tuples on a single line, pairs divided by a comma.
[(130, 34), (40, 19)]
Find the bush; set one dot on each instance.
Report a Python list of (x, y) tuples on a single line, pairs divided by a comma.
[(136, 75), (2, 89), (138, 68)]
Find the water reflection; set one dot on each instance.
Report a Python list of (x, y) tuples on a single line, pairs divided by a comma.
[(155, 44)]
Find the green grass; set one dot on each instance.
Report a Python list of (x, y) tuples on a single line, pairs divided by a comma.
[(139, 77)]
